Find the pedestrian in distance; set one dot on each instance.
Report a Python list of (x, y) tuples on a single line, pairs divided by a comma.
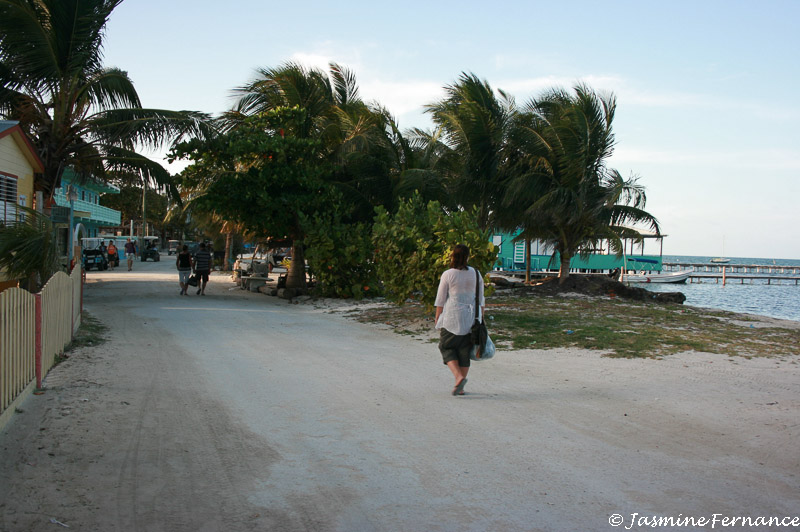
[(455, 314), (202, 267), (113, 259), (184, 263), (130, 253)]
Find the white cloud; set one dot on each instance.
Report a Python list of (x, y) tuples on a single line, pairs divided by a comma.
[(325, 53), (405, 99), (318, 61), (402, 97)]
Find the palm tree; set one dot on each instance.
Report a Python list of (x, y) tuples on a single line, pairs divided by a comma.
[(77, 112), (333, 115), (390, 166), (561, 186), (475, 125)]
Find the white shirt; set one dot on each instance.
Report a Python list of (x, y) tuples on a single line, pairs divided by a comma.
[(456, 296)]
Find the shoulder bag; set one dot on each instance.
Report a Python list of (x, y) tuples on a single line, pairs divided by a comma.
[(478, 333)]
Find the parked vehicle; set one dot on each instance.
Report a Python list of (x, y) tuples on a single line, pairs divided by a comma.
[(173, 247), (94, 258), (150, 253), (148, 248)]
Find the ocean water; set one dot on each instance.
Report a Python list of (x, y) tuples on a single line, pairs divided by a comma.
[(774, 300)]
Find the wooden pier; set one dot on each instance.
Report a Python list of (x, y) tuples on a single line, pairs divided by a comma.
[(771, 273)]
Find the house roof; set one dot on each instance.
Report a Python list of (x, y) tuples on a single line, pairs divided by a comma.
[(11, 128), (88, 183)]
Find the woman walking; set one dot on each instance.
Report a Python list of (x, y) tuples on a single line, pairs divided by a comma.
[(455, 313), (113, 259), (184, 264)]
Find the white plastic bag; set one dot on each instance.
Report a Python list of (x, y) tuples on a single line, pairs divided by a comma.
[(488, 351)]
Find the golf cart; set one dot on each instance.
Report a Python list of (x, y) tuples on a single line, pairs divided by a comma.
[(149, 250), (172, 247), (94, 258)]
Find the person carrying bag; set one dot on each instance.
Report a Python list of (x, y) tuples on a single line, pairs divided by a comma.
[(455, 304), (483, 347)]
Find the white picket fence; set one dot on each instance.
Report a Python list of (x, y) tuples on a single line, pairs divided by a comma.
[(34, 330)]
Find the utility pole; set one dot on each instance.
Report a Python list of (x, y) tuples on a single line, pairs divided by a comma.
[(144, 208)]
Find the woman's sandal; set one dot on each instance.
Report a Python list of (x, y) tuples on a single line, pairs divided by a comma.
[(459, 388)]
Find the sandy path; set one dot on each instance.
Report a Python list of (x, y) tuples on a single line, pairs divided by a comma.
[(238, 411)]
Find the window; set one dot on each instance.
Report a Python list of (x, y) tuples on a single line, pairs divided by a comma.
[(8, 198), (497, 240), (519, 251)]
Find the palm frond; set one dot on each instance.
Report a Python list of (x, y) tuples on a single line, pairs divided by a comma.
[(149, 127), (29, 249)]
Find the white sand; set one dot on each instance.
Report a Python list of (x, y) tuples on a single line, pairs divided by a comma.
[(239, 411)]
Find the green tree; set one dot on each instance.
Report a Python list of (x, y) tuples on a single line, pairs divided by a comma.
[(412, 247), (264, 176), (129, 203), (77, 112), (339, 253), (475, 122), (331, 123), (561, 190), (390, 166)]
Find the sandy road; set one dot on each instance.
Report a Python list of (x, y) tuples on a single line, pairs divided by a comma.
[(238, 411)]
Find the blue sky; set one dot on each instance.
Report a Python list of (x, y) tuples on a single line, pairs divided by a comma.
[(707, 110)]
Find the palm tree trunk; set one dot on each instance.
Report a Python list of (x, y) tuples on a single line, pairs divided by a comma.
[(296, 278), (527, 261), (563, 272), (226, 266)]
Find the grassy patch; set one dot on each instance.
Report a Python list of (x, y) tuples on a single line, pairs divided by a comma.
[(90, 333), (618, 327)]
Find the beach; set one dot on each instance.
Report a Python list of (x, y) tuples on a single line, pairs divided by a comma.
[(240, 411)]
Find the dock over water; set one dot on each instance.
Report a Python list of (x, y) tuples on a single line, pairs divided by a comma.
[(704, 271)]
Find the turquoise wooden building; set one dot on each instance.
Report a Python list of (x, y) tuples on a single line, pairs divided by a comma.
[(511, 256), (86, 207)]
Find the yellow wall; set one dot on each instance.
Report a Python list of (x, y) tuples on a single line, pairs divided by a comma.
[(13, 161)]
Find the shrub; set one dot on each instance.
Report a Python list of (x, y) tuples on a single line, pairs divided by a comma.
[(339, 255), (412, 247)]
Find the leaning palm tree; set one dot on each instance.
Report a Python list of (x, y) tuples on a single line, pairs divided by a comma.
[(76, 111), (561, 190), (475, 122)]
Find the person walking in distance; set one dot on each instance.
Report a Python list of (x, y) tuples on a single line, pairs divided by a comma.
[(202, 267), (113, 259), (184, 264), (130, 253), (455, 313)]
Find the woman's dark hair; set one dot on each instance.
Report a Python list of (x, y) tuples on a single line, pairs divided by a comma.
[(459, 257), (185, 247)]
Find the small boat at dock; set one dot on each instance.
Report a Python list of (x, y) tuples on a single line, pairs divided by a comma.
[(657, 277), (720, 260)]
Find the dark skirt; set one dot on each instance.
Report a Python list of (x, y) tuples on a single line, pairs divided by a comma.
[(455, 347)]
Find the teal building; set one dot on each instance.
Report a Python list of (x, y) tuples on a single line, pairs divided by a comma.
[(511, 256), (87, 210)]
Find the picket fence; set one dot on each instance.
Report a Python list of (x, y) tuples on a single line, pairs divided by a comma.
[(34, 330)]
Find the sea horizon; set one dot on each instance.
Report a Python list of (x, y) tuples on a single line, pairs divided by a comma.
[(779, 300), (733, 260)]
